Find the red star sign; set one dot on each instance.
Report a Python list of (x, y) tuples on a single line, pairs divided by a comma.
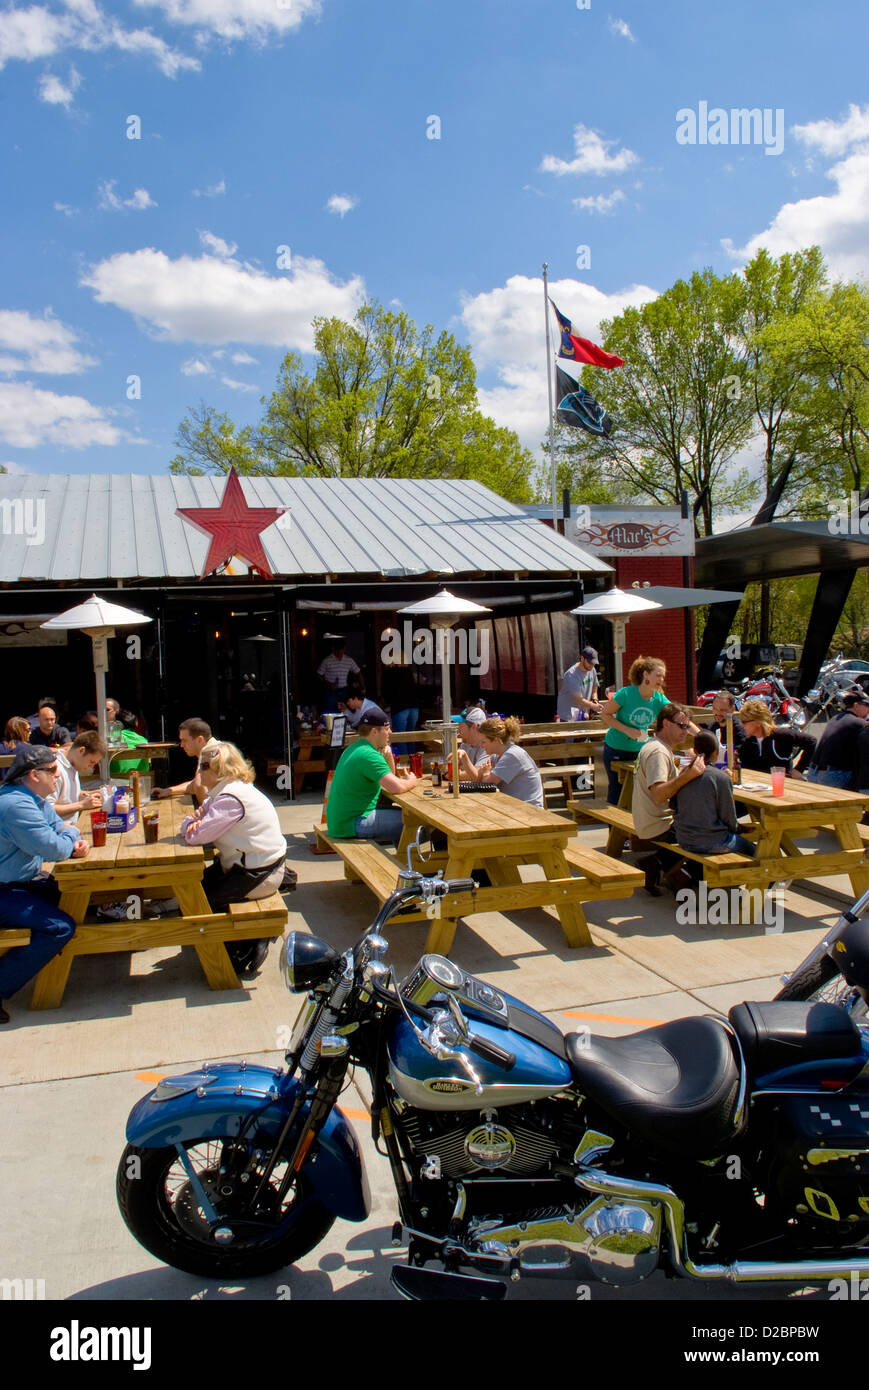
[(234, 528)]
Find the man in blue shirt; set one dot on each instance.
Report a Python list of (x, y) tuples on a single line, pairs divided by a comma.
[(30, 832)]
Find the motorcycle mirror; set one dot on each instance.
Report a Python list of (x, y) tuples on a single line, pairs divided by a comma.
[(417, 845)]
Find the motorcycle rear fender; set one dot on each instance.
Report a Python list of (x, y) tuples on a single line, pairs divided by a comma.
[(217, 1103)]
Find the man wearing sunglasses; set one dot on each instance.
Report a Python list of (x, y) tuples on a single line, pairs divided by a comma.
[(31, 832), (657, 779)]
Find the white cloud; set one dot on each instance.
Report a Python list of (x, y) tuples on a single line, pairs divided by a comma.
[(243, 359), (834, 137), (194, 366), (342, 203), (620, 28), (55, 92), (31, 344), (30, 417), (9, 466), (834, 221), (600, 202), (238, 385), (209, 300), (35, 32), (503, 326), (237, 19), (214, 190), (591, 156), (110, 201), (66, 209), (217, 246)]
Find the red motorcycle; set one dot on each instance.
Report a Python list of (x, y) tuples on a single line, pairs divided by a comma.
[(767, 686)]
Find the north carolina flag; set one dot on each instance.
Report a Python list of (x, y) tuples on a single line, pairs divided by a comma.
[(577, 407), (583, 349)]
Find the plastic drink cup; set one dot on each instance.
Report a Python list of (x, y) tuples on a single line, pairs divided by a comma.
[(416, 764), (777, 777), (99, 821), (151, 826)]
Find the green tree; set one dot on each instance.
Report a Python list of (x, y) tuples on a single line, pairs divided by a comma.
[(680, 406), (384, 401)]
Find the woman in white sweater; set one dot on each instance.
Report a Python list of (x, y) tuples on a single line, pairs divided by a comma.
[(243, 826)]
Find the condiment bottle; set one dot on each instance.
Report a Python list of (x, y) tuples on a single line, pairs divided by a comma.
[(137, 794)]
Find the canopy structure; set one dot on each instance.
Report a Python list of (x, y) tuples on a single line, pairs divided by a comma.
[(618, 606), (442, 610)]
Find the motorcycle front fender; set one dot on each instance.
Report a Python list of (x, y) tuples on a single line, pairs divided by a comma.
[(229, 1100)]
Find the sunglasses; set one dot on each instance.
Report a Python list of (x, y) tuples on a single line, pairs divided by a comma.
[(679, 724)]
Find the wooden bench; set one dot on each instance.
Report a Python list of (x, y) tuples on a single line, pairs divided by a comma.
[(13, 936), (209, 933), (549, 759)]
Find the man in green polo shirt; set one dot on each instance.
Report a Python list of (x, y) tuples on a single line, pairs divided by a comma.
[(365, 769)]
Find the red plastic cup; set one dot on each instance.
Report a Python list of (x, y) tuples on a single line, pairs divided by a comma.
[(416, 764), (99, 822), (777, 777)]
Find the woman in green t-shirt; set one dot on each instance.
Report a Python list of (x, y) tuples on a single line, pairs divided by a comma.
[(629, 714)]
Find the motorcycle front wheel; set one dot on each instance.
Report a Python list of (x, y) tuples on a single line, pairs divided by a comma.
[(821, 983), (160, 1207)]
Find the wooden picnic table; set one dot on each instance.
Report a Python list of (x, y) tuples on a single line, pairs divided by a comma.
[(124, 865), (498, 833), (140, 750)]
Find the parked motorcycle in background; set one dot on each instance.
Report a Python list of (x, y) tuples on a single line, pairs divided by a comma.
[(513, 1150), (768, 686)]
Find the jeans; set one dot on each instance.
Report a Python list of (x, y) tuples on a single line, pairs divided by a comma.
[(734, 844), (832, 777), (404, 719), (380, 825), (32, 904), (610, 756)]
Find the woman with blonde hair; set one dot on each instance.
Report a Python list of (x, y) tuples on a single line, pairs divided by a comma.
[(243, 826), (768, 745), (514, 770)]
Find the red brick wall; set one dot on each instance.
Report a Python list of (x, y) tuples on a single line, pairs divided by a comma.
[(660, 633)]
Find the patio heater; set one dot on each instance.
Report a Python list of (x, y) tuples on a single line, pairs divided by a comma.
[(98, 619), (618, 607), (442, 610)]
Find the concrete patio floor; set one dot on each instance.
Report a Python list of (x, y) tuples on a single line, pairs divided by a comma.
[(75, 1072)]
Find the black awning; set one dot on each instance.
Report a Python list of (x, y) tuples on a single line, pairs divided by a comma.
[(776, 551)]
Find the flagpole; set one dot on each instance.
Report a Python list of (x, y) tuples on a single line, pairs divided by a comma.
[(549, 386)]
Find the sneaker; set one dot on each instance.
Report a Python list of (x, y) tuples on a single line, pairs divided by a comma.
[(113, 912), (162, 907)]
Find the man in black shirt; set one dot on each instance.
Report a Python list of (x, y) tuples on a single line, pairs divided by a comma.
[(48, 733), (837, 757)]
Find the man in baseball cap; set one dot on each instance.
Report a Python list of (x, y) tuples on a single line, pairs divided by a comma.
[(473, 758), (579, 688), (364, 769), (30, 832)]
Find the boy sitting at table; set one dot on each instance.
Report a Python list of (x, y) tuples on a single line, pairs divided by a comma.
[(704, 810)]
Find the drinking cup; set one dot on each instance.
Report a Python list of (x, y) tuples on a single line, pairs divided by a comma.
[(777, 777), (151, 826), (99, 822), (416, 764)]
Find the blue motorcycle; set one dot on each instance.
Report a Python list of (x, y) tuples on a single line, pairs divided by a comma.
[(721, 1149)]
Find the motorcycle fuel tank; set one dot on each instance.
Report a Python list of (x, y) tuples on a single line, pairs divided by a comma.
[(423, 1081)]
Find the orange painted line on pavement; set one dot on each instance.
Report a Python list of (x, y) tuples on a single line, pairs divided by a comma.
[(150, 1075), (614, 1018), (354, 1114)]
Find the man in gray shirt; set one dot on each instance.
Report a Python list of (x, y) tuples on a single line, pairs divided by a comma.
[(705, 813)]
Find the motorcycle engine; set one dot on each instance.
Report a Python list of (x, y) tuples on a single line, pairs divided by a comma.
[(820, 1176), (518, 1140)]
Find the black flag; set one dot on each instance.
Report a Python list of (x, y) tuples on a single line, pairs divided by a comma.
[(577, 407)]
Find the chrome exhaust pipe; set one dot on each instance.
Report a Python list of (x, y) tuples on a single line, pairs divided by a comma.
[(741, 1271)]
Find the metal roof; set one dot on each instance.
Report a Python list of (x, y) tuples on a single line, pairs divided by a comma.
[(776, 550), (103, 527)]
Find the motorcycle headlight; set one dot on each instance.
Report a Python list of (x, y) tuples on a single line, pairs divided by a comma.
[(307, 962), (813, 695)]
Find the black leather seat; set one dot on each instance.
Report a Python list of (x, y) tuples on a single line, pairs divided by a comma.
[(675, 1085), (783, 1033)]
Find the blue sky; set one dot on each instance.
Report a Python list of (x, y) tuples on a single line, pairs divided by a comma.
[(304, 124)]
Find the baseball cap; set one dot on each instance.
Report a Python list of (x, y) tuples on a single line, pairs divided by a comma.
[(475, 715), (375, 720), (590, 654), (32, 758)]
